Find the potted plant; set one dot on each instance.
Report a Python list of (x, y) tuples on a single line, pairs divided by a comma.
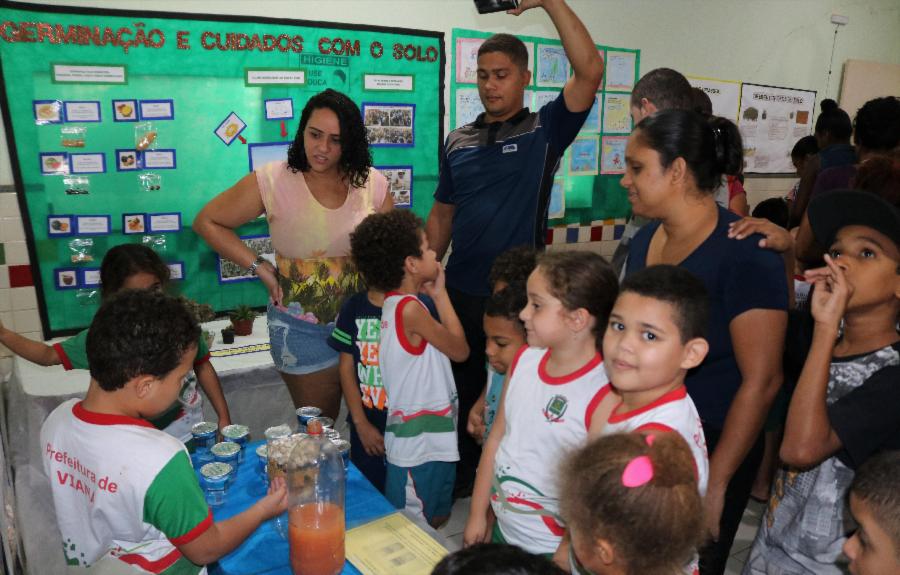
[(242, 319)]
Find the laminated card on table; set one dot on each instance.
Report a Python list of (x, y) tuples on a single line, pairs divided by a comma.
[(392, 545)]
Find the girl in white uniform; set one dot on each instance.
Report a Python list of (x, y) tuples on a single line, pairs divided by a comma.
[(548, 401)]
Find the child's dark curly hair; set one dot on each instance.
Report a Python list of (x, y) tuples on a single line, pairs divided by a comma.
[(138, 332), (666, 509), (356, 159), (507, 303), (513, 267), (380, 245), (126, 260)]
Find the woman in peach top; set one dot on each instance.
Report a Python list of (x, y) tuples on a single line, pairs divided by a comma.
[(312, 202)]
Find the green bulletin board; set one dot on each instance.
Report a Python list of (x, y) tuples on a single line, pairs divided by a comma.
[(79, 87), (586, 186)]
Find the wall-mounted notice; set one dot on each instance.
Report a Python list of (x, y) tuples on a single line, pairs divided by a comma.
[(467, 59), (163, 223), (268, 77), (617, 114), (280, 109), (82, 111), (157, 110), (92, 225), (612, 154), (772, 120), (159, 160), (78, 74), (389, 83), (87, 163), (468, 106), (725, 95), (620, 70)]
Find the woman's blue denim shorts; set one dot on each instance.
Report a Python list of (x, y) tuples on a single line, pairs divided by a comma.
[(299, 347)]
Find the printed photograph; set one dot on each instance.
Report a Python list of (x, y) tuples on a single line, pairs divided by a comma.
[(127, 160), (232, 272), (124, 110), (399, 183), (389, 124)]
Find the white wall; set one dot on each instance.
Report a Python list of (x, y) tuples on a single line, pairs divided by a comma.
[(778, 42)]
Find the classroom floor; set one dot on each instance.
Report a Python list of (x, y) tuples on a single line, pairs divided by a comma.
[(739, 550)]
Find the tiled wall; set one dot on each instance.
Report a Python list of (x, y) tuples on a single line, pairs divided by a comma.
[(18, 301)]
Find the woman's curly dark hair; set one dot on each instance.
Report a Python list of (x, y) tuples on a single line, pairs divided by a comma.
[(380, 245), (356, 159)]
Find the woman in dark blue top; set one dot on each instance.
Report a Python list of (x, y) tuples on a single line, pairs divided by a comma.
[(674, 161)]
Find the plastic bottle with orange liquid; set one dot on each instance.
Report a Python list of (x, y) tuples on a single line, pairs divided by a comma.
[(316, 506)]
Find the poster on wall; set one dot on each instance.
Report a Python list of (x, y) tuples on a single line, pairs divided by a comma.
[(468, 106), (467, 59), (772, 119), (149, 118), (620, 70), (725, 95)]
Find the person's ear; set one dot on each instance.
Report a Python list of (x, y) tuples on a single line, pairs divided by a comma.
[(605, 551), (648, 107), (143, 385), (579, 319), (410, 265), (526, 76), (695, 352), (678, 172)]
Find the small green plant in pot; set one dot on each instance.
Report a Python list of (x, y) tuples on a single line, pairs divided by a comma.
[(242, 319)]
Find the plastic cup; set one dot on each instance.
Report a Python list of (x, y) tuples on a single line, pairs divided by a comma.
[(204, 434), (215, 482), (304, 414), (239, 434), (227, 452)]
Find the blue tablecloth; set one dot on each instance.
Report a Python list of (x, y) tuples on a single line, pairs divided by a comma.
[(265, 551)]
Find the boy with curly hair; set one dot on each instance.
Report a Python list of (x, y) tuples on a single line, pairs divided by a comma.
[(125, 492), (392, 253)]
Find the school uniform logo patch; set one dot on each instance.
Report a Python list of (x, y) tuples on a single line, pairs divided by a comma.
[(510, 148), (556, 408)]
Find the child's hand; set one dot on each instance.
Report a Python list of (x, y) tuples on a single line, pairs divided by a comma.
[(437, 287), (776, 238), (475, 424), (224, 421), (477, 530), (275, 501), (831, 294), (371, 439)]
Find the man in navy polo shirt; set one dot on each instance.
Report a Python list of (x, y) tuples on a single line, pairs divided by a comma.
[(495, 180)]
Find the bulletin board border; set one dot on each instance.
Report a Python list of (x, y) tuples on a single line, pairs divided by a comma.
[(18, 180)]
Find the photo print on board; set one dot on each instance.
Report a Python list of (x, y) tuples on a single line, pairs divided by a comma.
[(389, 124), (399, 183)]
